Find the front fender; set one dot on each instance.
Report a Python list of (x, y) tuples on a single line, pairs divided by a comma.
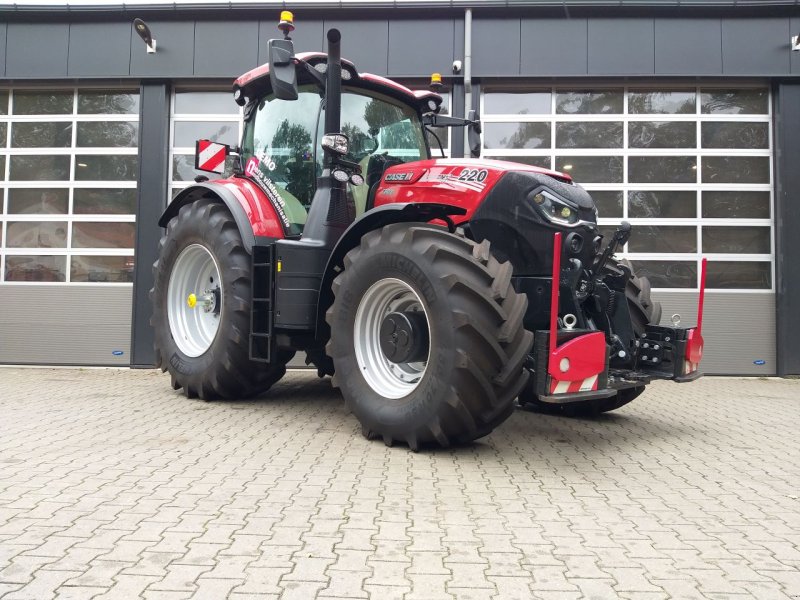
[(253, 217), (374, 219)]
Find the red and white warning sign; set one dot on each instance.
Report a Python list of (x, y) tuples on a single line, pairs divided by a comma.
[(210, 156)]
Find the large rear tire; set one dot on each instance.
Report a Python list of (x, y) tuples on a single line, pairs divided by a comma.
[(201, 307), (462, 383), (644, 311)]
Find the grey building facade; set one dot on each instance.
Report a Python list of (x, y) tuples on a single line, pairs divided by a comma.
[(681, 117)]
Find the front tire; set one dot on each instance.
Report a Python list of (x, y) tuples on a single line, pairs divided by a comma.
[(201, 307), (463, 383)]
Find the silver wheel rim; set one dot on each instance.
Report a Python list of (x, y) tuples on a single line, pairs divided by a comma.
[(390, 380), (196, 274)]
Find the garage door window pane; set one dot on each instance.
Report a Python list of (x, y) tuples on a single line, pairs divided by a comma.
[(534, 161), (41, 135), (661, 134), (587, 134), (734, 102), (662, 169), (735, 205), (108, 102), (39, 168), (38, 201), (102, 269), (663, 238), (735, 135), (742, 275), (591, 169), (3, 136), (36, 234), (93, 201), (662, 205), (609, 204), (43, 103), (735, 169), (3, 103), (510, 136), (667, 273), (105, 168), (516, 103), (103, 235), (183, 167), (742, 240), (36, 268), (662, 102), (108, 134), (188, 132), (209, 103), (597, 102)]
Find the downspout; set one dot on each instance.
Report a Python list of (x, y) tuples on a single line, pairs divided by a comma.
[(467, 70)]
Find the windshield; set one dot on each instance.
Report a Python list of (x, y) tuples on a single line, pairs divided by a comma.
[(281, 145)]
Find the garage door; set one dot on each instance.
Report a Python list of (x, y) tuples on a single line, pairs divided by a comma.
[(690, 168), (68, 167)]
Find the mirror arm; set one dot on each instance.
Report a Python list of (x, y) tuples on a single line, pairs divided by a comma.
[(319, 78), (434, 120)]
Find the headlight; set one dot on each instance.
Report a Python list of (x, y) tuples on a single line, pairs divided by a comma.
[(554, 209), (336, 142)]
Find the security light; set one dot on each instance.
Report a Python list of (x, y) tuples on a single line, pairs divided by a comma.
[(796, 43), (144, 32)]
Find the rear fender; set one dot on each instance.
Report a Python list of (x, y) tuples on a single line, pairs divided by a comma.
[(254, 216), (373, 219)]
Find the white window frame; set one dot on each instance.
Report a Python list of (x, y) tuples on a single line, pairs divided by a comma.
[(625, 153), (69, 218)]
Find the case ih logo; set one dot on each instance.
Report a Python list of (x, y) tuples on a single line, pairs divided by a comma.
[(398, 177), (210, 156)]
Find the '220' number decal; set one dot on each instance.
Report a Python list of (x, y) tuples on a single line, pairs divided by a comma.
[(473, 175)]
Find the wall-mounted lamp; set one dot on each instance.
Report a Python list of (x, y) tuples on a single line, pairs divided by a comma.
[(144, 32), (796, 43)]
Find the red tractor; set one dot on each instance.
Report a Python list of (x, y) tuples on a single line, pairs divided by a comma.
[(423, 286)]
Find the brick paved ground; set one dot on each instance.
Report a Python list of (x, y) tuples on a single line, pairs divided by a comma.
[(114, 486)]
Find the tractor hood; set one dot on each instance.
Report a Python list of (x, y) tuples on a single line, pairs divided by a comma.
[(466, 183)]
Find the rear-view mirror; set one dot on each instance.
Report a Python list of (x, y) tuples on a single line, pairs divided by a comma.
[(282, 74)]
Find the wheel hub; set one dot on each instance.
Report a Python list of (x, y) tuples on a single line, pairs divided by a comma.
[(404, 337)]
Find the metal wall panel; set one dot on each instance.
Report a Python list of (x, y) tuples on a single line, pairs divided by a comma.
[(174, 55), (214, 53), (152, 199), (621, 46), (37, 50), (554, 47), (99, 51), (363, 42), (495, 47), (787, 222), (65, 325), (3, 32), (688, 46), (756, 46), (738, 329), (419, 48)]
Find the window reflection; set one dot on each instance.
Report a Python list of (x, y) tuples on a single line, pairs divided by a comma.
[(668, 273), (104, 201), (36, 268), (208, 103), (735, 169), (36, 234), (735, 135), (39, 168), (516, 103), (609, 204), (188, 132), (52, 134), (102, 269), (732, 102), (663, 238), (107, 102), (107, 134), (742, 275), (510, 136), (91, 167), (38, 201), (662, 204), (589, 102), (662, 102), (742, 240), (588, 134), (591, 169), (662, 134), (103, 235), (735, 205), (42, 102), (662, 169)]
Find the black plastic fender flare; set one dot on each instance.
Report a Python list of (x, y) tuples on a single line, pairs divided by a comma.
[(375, 218), (213, 190)]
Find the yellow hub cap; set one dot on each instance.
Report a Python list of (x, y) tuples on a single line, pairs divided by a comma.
[(191, 300)]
